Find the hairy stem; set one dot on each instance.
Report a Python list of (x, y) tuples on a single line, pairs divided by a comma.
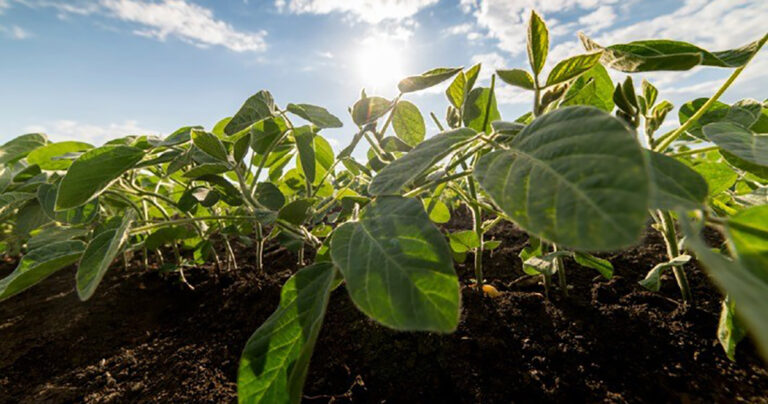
[(670, 240)]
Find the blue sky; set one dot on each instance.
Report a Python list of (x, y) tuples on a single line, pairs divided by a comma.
[(94, 70)]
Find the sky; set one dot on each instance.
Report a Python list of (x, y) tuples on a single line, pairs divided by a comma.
[(99, 69)]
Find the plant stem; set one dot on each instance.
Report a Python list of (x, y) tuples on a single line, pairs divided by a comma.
[(664, 144), (670, 240), (437, 122), (694, 151), (560, 268)]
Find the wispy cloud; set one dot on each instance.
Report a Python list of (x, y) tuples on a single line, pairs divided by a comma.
[(370, 11), (14, 32), (160, 20)]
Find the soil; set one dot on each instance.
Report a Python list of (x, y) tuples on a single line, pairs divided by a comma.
[(146, 336)]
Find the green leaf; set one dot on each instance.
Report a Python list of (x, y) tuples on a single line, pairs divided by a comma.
[(93, 172), (370, 109), (12, 200), (463, 241), (426, 79), (594, 88), (55, 156), (538, 43), (457, 90), (652, 280), (716, 112), (747, 290), (210, 144), (205, 169), (664, 54), (572, 67), (276, 357), (257, 107), (719, 176), (398, 267), (29, 218), (39, 264), (98, 256), (517, 77), (403, 171), (181, 135), (46, 195), (19, 147), (590, 261), (269, 195), (265, 132), (408, 123), (305, 144), (739, 141), (475, 109), (729, 329), (748, 231), (438, 212), (317, 115), (674, 185), (296, 212), (559, 179), (54, 234)]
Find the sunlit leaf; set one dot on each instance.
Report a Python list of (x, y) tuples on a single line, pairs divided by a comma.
[(317, 115), (39, 264), (408, 123), (572, 67), (538, 43), (98, 256), (674, 185), (426, 79), (517, 77)]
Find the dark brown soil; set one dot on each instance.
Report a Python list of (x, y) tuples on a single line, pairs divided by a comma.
[(147, 337)]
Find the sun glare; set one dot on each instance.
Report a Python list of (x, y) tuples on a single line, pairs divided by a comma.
[(379, 65)]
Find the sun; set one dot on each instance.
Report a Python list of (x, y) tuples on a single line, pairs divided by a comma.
[(379, 64)]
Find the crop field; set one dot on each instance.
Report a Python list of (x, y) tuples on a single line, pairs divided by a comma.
[(599, 247)]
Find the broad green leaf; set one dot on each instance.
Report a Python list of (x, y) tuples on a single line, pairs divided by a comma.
[(401, 172), (572, 67), (456, 91), (370, 109), (538, 43), (305, 143), (559, 179), (729, 329), (674, 185), (12, 200), (19, 147), (39, 264), (181, 135), (317, 115), (719, 176), (544, 264), (296, 212), (394, 144), (167, 235), (463, 241), (398, 267), (426, 79), (54, 234), (46, 195), (590, 261), (93, 172), (716, 112), (739, 141), (98, 256), (210, 144), (664, 54), (28, 218), (265, 132), (205, 169), (476, 108), (594, 88), (471, 74), (408, 123), (652, 280), (748, 231), (55, 156), (747, 290), (517, 77), (276, 357), (257, 107), (269, 195), (438, 212), (218, 129)]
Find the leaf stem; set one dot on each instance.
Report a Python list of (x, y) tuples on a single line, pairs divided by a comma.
[(694, 151)]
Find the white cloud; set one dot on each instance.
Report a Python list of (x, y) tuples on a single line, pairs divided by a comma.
[(467, 30), (370, 11), (4, 5), (96, 134), (14, 32), (186, 21), (506, 20), (159, 20), (601, 18)]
